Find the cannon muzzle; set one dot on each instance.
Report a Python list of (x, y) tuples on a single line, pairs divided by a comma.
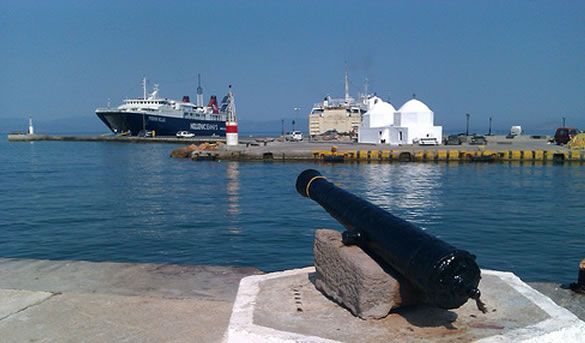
[(447, 276)]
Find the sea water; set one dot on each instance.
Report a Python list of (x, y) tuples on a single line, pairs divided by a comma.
[(102, 201)]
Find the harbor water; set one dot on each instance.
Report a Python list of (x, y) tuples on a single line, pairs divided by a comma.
[(132, 203)]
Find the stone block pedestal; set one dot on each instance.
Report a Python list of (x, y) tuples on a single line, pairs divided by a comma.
[(350, 277)]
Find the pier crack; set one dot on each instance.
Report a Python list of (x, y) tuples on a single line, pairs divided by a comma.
[(31, 305)]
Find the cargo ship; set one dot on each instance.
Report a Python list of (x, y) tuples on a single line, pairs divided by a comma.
[(155, 115)]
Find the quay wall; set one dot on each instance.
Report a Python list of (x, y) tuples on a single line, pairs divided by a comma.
[(412, 154)]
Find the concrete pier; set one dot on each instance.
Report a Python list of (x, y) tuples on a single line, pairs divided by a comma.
[(73, 301)]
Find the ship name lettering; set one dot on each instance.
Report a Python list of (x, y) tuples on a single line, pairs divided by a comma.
[(159, 119), (204, 126)]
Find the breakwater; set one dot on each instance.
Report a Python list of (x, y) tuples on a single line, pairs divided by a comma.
[(109, 138)]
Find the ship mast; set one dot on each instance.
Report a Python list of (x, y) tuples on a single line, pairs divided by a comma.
[(366, 87), (346, 84), (199, 92), (144, 87)]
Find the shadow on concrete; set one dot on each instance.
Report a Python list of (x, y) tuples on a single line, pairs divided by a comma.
[(425, 316)]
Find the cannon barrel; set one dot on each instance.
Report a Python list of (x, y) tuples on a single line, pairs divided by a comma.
[(447, 276)]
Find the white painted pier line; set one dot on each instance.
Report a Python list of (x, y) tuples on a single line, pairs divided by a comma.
[(562, 326)]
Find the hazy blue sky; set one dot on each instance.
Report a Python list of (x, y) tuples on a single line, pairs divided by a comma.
[(521, 62)]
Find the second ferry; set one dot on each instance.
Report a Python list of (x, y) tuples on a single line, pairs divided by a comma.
[(153, 114)]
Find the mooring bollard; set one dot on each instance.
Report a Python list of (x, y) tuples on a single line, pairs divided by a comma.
[(579, 287)]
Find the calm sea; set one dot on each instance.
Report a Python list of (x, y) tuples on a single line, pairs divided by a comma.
[(131, 202)]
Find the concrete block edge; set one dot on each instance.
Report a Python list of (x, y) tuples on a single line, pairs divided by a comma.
[(562, 325)]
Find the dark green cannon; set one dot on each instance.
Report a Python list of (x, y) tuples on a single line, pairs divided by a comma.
[(447, 276)]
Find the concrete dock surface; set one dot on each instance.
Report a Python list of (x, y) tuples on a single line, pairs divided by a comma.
[(77, 301)]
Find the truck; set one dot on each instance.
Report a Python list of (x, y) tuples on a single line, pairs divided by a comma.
[(564, 134)]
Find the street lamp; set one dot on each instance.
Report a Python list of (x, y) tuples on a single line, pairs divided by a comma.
[(282, 123), (564, 121), (490, 129), (467, 115), (296, 109)]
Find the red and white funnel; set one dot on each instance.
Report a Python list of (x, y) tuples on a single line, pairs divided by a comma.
[(231, 125)]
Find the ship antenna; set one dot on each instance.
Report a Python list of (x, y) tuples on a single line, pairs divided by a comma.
[(346, 84), (366, 87), (199, 92)]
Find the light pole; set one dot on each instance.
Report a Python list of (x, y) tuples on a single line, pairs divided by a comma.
[(490, 129), (282, 123), (293, 125), (296, 109), (467, 115), (564, 121)]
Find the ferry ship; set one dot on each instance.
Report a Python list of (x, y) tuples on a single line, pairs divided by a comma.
[(153, 114)]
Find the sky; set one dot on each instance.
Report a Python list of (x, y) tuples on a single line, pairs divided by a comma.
[(519, 62)]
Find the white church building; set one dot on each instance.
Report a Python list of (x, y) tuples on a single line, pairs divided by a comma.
[(383, 124)]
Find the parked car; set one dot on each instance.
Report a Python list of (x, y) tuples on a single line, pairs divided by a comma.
[(428, 141), (143, 133), (564, 134), (294, 136), (185, 134), (478, 140), (453, 140)]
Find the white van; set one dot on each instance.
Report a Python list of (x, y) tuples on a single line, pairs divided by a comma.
[(294, 136)]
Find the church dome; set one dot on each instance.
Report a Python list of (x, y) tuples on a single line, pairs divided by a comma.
[(378, 106), (380, 113), (414, 106)]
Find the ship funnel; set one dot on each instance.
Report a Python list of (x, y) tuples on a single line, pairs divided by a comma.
[(213, 104)]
